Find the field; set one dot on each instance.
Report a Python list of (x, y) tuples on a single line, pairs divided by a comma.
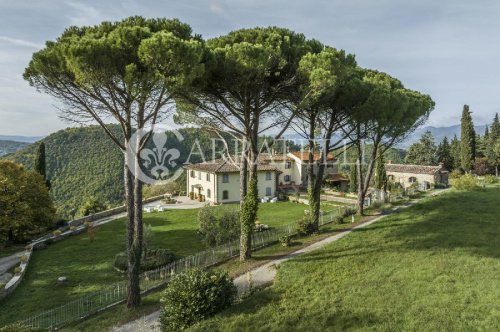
[(432, 267), (88, 265)]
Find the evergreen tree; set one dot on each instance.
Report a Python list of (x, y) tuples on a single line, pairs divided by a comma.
[(495, 128), (380, 178), (40, 163), (455, 153), (468, 140), (422, 152), (443, 154)]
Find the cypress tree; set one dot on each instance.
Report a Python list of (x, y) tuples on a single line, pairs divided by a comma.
[(468, 140), (455, 153), (380, 179), (40, 163), (443, 154)]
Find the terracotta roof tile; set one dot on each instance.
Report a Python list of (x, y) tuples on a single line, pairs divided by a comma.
[(416, 169), (223, 166), (304, 156)]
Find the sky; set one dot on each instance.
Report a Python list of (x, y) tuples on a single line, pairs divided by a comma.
[(448, 49)]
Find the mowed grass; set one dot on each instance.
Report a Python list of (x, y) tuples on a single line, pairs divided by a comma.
[(433, 267), (89, 265)]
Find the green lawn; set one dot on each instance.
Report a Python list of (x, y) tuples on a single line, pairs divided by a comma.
[(88, 265), (432, 267)]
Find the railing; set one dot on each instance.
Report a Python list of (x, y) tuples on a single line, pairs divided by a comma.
[(154, 279)]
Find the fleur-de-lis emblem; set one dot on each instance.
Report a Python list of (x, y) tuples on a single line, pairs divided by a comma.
[(159, 158)]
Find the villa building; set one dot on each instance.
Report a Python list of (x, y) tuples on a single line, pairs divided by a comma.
[(425, 176), (218, 181)]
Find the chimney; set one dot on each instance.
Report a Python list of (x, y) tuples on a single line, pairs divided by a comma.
[(389, 161)]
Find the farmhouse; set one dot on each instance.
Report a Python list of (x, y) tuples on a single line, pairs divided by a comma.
[(425, 176), (218, 181)]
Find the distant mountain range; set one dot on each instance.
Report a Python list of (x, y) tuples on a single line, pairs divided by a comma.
[(18, 138), (439, 134), (10, 146)]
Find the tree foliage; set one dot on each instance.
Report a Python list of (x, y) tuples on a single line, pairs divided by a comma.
[(424, 152), (25, 206), (467, 140)]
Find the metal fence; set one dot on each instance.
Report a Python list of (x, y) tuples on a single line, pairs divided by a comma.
[(154, 279)]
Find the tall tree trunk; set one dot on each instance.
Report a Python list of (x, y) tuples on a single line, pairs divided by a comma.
[(134, 298), (132, 282), (250, 206)]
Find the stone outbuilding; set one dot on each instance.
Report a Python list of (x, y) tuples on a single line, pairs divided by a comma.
[(425, 176)]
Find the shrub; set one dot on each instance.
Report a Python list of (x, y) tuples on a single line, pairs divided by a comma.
[(17, 270), (490, 179), (193, 296), (285, 240), (338, 220), (57, 232), (217, 230), (348, 212), (305, 227), (157, 258), (465, 182), (152, 259), (23, 258), (456, 173), (260, 227), (2, 285), (18, 327), (120, 262)]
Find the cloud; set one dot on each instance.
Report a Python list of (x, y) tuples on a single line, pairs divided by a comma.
[(85, 14), (215, 6), (20, 42)]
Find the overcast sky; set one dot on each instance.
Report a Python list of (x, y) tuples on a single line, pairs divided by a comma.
[(448, 49)]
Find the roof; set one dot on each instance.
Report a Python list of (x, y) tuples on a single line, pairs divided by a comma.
[(415, 169), (223, 166), (304, 156), (336, 178)]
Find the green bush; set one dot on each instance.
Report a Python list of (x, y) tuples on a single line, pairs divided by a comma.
[(120, 262), (57, 232), (465, 182), (456, 173), (2, 285), (23, 258), (305, 227), (338, 220), (157, 258), (490, 179), (218, 229), (349, 212), (193, 296), (152, 259), (18, 327), (285, 240), (17, 270)]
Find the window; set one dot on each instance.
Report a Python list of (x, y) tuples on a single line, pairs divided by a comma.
[(199, 175), (268, 176), (208, 177), (209, 193), (288, 164), (225, 178), (192, 174), (268, 191), (225, 194), (412, 179), (287, 178)]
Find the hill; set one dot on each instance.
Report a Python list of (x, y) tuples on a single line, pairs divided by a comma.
[(18, 138), (439, 133), (7, 147), (83, 162)]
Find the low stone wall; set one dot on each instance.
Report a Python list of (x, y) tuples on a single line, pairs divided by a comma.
[(109, 213), (12, 284)]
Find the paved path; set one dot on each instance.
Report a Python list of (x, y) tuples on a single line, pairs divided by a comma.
[(260, 276), (7, 263)]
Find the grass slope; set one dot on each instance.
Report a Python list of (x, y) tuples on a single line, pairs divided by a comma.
[(88, 265), (433, 267)]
